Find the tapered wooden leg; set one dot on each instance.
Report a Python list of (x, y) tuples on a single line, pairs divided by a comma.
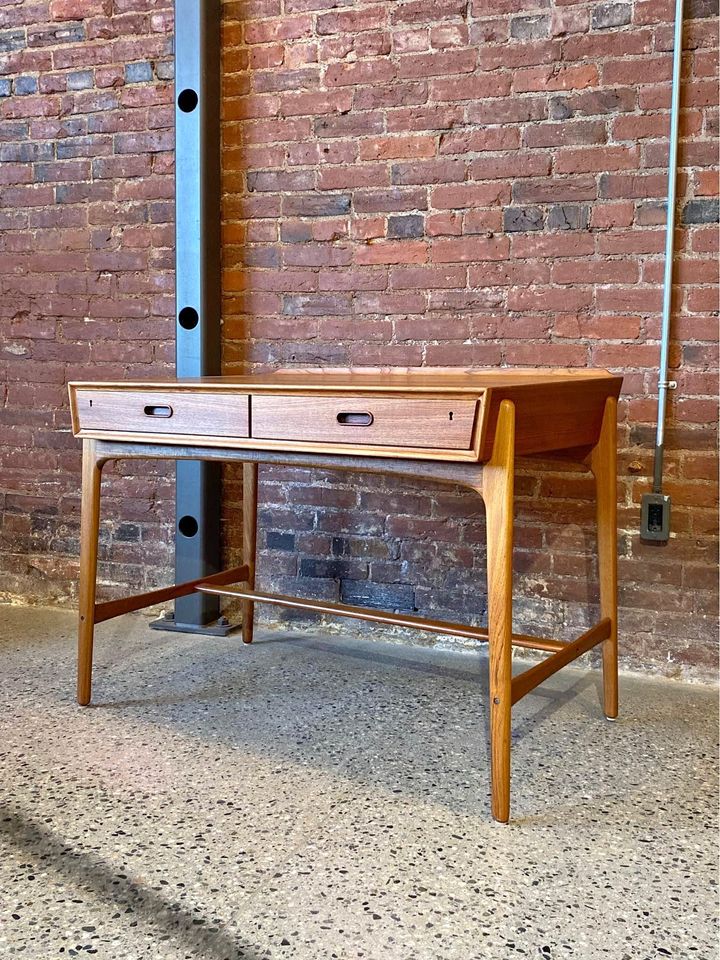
[(250, 486), (497, 492), (89, 531), (603, 463)]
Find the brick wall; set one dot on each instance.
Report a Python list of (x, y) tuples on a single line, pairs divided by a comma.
[(406, 183), (86, 274)]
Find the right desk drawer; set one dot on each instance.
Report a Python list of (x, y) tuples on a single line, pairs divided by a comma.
[(365, 420)]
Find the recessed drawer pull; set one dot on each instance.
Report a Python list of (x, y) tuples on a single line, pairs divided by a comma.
[(355, 419), (162, 410)]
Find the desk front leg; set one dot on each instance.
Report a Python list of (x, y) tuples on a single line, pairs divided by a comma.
[(250, 491), (497, 492), (603, 463), (89, 532)]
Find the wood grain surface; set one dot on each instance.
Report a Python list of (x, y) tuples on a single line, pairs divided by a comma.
[(151, 410), (393, 421)]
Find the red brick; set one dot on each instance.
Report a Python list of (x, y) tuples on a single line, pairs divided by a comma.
[(555, 77), (350, 124), (465, 249), (569, 20), (443, 224), (419, 11), (483, 221), (362, 72), (597, 327), (429, 171), (565, 133), (641, 70), (346, 176), (607, 215), (510, 166), (626, 299), (508, 273), (595, 271), (707, 183), (16, 173), (395, 94), (507, 110), (543, 299), (476, 141), (437, 64), (288, 28), (705, 241), (568, 189), (399, 147), (351, 21), (635, 241), (473, 354), (394, 200), (570, 244), (457, 196), (449, 35), (430, 277), (392, 251), (552, 355), (478, 87), (598, 159), (600, 45), (351, 279), (310, 154), (411, 40), (424, 118), (368, 228), (77, 9)]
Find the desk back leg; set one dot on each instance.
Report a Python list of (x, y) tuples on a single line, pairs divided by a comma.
[(497, 493), (603, 463), (89, 532), (250, 490)]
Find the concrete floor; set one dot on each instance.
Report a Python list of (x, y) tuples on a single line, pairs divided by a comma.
[(311, 797)]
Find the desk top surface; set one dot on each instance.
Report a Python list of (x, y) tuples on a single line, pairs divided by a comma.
[(385, 379)]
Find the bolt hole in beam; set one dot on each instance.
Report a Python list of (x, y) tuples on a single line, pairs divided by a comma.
[(188, 318), (188, 526), (187, 100)]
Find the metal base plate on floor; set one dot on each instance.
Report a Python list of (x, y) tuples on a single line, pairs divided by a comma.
[(215, 628)]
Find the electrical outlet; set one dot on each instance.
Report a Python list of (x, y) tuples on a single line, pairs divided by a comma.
[(655, 517)]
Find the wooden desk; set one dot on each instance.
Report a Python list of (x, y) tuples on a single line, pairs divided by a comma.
[(441, 425)]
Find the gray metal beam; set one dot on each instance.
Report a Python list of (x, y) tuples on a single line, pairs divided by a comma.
[(197, 284)]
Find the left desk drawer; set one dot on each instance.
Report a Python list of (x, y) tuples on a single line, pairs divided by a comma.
[(210, 413)]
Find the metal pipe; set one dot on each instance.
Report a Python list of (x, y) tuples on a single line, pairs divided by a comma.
[(663, 383)]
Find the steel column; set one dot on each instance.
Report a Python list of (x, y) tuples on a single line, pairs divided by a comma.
[(197, 287)]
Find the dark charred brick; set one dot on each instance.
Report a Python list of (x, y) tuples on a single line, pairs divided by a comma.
[(703, 210), (521, 219)]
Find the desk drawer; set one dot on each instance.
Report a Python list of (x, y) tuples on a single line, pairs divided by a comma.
[(212, 413), (365, 421)]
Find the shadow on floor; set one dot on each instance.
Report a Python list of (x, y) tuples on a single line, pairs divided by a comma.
[(361, 711), (477, 674), (85, 872)]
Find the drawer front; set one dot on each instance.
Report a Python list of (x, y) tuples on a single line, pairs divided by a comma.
[(212, 413), (365, 421)]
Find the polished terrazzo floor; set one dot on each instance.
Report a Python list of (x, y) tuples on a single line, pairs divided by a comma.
[(313, 798)]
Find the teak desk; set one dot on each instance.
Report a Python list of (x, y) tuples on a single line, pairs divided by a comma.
[(445, 426)]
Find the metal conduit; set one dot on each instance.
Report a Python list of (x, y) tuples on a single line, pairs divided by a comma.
[(663, 384), (655, 522)]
